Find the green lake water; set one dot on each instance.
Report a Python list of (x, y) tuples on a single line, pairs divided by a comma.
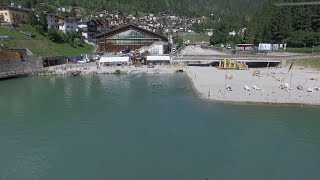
[(148, 127)]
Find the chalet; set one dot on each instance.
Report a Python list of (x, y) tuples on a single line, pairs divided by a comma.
[(89, 28), (133, 38), (52, 20), (13, 14), (64, 24), (69, 24)]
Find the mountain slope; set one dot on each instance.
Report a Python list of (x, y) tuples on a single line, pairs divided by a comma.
[(183, 7)]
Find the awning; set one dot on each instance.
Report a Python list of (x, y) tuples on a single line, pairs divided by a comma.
[(114, 59), (158, 58)]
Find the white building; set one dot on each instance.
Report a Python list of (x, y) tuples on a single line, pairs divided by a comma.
[(63, 9), (209, 32), (53, 20), (233, 33), (69, 25)]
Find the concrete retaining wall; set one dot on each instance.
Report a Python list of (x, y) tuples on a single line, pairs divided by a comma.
[(15, 68)]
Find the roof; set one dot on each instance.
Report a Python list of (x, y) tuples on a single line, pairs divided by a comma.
[(85, 21), (158, 58), (126, 27), (16, 8), (113, 59)]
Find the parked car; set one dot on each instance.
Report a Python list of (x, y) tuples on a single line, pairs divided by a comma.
[(72, 61), (84, 61)]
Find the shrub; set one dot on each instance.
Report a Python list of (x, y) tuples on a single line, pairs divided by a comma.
[(78, 42), (39, 29), (54, 36)]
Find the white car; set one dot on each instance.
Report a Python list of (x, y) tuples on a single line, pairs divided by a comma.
[(84, 61)]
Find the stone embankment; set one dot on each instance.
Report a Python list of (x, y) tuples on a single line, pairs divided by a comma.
[(17, 68), (91, 68)]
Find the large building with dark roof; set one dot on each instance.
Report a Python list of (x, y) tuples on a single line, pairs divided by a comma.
[(133, 38)]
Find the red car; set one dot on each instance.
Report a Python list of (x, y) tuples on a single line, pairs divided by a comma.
[(72, 61)]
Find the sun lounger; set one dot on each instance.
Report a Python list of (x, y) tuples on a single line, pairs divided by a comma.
[(310, 90), (247, 88), (255, 87)]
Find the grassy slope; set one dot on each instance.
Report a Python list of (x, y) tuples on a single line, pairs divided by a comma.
[(308, 62), (195, 37), (303, 50), (40, 46)]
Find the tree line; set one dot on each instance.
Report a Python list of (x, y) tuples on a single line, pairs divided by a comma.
[(178, 7), (297, 26)]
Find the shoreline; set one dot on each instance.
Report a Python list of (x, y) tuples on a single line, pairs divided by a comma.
[(209, 83), (245, 103), (253, 97)]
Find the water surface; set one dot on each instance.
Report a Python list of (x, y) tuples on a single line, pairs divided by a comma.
[(151, 127)]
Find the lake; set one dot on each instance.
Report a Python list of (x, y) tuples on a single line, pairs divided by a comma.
[(148, 127)]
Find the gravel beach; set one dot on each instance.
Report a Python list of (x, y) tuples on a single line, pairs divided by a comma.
[(269, 86)]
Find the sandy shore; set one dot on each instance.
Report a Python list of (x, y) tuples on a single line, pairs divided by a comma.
[(211, 84)]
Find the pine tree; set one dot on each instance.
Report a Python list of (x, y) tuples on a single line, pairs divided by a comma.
[(33, 20), (43, 21)]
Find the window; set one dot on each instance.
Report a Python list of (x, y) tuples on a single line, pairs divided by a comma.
[(129, 34)]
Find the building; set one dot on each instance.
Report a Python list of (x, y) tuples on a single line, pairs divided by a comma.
[(244, 47), (69, 24), (64, 24), (104, 24), (89, 28), (52, 20), (268, 47), (13, 14), (233, 33), (133, 38), (209, 32)]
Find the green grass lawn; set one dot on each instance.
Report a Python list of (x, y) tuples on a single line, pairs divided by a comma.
[(41, 45), (303, 50), (307, 62), (195, 37)]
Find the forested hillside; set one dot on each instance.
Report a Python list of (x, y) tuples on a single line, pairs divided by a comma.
[(183, 7), (298, 26)]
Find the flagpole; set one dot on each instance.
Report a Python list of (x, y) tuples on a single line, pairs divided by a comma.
[(290, 79), (225, 82), (268, 69)]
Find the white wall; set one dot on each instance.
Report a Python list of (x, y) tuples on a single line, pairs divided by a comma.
[(51, 21), (70, 25)]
